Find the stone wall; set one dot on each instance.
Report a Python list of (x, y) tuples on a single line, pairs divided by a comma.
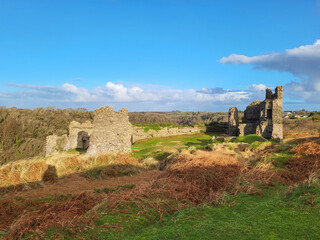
[(79, 137), (112, 131), (79, 134), (139, 133), (55, 144)]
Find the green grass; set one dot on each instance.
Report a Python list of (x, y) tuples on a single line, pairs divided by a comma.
[(155, 126), (252, 217), (45, 199), (279, 158), (248, 139), (77, 150), (2, 234), (314, 117), (160, 148), (277, 214), (254, 145), (284, 147)]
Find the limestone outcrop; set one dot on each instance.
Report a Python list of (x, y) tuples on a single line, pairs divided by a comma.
[(262, 118)]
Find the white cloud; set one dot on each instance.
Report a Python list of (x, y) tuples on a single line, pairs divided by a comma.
[(257, 87), (116, 93), (303, 62)]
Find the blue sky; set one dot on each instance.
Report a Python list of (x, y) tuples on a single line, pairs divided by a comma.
[(158, 55)]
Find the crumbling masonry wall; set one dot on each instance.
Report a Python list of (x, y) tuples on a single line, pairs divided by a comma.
[(262, 118), (112, 131), (79, 137)]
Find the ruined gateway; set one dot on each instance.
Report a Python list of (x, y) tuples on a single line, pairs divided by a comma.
[(261, 118), (110, 132)]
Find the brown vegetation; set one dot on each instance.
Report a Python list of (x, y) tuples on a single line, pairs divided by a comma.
[(306, 162), (29, 215), (303, 127), (149, 118), (23, 131), (188, 179)]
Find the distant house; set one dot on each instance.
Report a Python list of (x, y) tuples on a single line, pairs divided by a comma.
[(296, 116)]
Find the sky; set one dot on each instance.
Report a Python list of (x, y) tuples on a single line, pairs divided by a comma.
[(158, 55)]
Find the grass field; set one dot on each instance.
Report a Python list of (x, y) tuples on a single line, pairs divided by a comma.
[(160, 148)]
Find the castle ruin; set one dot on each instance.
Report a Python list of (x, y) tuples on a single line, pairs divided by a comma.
[(261, 118), (110, 132)]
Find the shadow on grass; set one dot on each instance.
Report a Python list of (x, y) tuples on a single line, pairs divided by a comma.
[(50, 176), (202, 143), (112, 171)]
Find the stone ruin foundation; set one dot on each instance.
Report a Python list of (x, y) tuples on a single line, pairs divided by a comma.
[(263, 118), (110, 132)]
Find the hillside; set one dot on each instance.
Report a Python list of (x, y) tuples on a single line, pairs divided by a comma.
[(165, 187)]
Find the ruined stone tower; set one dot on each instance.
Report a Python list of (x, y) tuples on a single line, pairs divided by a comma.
[(112, 131), (262, 118), (233, 120)]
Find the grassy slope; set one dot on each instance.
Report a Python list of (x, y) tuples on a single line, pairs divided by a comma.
[(162, 147), (253, 217), (277, 214), (273, 215)]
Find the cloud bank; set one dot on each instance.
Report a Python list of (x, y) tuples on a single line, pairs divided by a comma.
[(137, 98), (303, 62)]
